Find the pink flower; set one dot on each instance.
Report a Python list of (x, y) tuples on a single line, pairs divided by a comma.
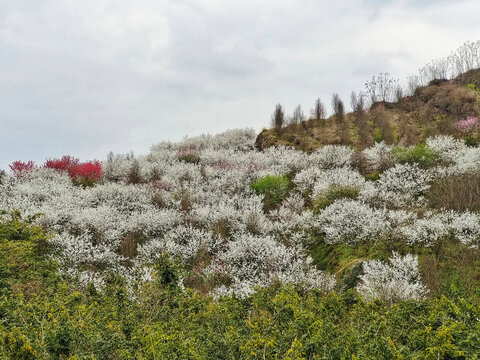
[(467, 125), (223, 165)]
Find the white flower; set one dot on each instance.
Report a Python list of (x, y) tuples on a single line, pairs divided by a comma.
[(349, 221), (258, 261), (398, 280), (378, 155), (344, 177), (331, 156), (404, 184)]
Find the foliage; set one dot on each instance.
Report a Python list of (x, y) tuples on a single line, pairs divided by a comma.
[(274, 322), (133, 276), (471, 140), (333, 193), (273, 187), (377, 135), (23, 247), (420, 154)]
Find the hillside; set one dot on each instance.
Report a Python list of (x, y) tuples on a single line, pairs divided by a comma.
[(431, 110), (209, 248)]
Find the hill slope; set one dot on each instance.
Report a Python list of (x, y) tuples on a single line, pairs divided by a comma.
[(430, 111)]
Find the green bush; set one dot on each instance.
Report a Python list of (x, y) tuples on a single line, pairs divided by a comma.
[(333, 193), (421, 154), (471, 140), (84, 182), (471, 86), (167, 272), (373, 176), (377, 135), (274, 187)]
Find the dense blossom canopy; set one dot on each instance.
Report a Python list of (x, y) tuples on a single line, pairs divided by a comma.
[(193, 202)]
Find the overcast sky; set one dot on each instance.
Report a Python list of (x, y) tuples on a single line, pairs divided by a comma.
[(83, 77)]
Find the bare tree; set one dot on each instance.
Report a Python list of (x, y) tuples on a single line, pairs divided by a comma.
[(318, 112), (357, 101), (353, 101), (297, 116), (435, 69), (465, 58), (413, 84), (338, 107), (342, 126), (361, 101), (360, 119), (381, 87), (398, 93), (278, 118)]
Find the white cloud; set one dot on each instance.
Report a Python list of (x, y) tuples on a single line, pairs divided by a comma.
[(85, 77)]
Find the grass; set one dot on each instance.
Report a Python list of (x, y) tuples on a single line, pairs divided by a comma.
[(460, 193)]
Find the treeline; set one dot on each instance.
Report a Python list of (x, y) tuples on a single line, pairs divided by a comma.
[(385, 88)]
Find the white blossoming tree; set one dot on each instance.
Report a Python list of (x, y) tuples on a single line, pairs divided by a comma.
[(396, 280)]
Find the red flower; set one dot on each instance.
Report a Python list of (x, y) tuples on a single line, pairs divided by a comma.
[(19, 166), (76, 169), (61, 164), (91, 169)]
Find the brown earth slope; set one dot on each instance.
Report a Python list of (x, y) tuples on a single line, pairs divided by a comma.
[(432, 110)]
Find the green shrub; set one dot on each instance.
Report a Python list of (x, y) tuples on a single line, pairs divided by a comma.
[(373, 176), (167, 272), (421, 154), (274, 187), (84, 182), (471, 140), (59, 339), (333, 193), (377, 135), (471, 86)]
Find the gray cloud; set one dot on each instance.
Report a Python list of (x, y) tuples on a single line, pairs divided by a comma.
[(86, 77)]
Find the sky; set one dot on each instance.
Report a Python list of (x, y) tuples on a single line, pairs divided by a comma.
[(87, 77)]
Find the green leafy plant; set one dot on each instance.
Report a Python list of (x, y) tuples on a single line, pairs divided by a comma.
[(421, 154), (274, 187), (373, 176), (333, 193), (471, 140), (377, 135), (471, 86)]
